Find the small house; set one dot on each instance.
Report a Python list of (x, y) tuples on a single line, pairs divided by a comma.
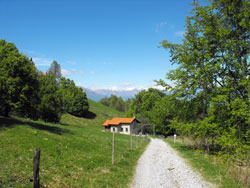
[(122, 125)]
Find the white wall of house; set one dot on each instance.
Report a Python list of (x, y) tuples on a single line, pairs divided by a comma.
[(129, 128), (114, 128), (125, 128)]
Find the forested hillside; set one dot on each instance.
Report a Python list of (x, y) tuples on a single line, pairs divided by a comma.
[(116, 103)]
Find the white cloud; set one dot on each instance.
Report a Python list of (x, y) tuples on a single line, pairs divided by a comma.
[(121, 88), (92, 72), (159, 26), (127, 84), (40, 61), (179, 33), (162, 24), (32, 53), (65, 72)]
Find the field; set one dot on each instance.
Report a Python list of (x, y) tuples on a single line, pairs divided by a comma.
[(74, 153)]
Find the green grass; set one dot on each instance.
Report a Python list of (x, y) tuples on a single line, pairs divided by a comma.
[(216, 173), (75, 153), (98, 114)]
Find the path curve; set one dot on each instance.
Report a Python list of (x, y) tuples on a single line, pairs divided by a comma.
[(160, 166)]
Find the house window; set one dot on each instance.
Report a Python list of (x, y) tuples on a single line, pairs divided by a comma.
[(121, 129), (126, 129), (113, 129)]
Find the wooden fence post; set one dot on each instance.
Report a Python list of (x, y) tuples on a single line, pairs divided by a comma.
[(36, 163), (136, 141), (113, 149), (174, 138), (130, 140)]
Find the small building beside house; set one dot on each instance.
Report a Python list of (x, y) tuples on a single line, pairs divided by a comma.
[(122, 125)]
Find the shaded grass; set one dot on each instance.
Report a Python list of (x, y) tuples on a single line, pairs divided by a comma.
[(76, 153), (11, 122), (208, 166)]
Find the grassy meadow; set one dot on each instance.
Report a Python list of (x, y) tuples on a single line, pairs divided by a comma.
[(74, 153)]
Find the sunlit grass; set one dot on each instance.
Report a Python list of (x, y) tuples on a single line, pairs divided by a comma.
[(76, 153)]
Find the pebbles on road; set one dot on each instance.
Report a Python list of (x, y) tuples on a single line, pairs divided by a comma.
[(160, 166)]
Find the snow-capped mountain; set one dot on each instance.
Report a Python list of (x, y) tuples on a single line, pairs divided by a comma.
[(98, 94)]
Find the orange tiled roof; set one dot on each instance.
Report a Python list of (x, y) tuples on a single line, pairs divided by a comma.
[(118, 121)]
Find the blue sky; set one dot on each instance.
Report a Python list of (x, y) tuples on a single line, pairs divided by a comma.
[(98, 43)]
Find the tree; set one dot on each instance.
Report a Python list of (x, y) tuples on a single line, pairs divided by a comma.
[(18, 82), (164, 110), (79, 105), (50, 108), (74, 99), (55, 69), (213, 72), (114, 102), (143, 104), (105, 101)]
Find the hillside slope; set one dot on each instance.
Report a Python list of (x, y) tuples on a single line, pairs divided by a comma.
[(98, 113), (76, 153)]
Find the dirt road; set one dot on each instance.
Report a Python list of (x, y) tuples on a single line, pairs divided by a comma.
[(160, 166)]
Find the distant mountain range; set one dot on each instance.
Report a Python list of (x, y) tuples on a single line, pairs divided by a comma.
[(98, 94)]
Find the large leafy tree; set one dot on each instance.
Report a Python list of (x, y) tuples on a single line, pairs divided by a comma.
[(74, 99), (213, 68), (164, 110), (143, 103), (18, 82), (50, 108)]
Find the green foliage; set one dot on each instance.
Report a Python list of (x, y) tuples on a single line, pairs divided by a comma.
[(28, 92), (73, 98), (212, 78), (18, 82), (55, 69), (50, 109), (147, 106), (116, 102), (163, 111)]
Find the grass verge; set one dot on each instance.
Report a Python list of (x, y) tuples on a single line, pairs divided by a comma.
[(208, 166)]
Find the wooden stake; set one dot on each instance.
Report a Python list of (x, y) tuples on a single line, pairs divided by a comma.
[(36, 163), (130, 141), (136, 141), (113, 149)]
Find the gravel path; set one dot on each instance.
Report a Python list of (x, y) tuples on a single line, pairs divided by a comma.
[(160, 166)]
